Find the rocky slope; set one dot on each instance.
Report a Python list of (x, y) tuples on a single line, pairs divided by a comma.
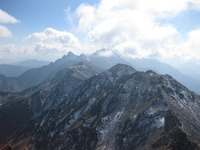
[(117, 109), (16, 109), (8, 84)]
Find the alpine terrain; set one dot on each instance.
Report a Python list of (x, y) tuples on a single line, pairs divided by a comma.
[(77, 106)]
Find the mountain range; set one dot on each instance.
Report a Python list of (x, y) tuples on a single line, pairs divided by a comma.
[(190, 69), (32, 63), (35, 76), (18, 68), (77, 103), (12, 70), (120, 108)]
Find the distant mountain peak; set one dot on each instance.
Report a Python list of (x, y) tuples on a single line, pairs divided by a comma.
[(70, 54), (83, 56)]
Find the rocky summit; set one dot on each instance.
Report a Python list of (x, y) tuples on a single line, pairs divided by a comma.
[(119, 109)]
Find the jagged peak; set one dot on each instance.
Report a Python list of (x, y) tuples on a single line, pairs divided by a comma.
[(70, 54), (81, 58), (82, 55)]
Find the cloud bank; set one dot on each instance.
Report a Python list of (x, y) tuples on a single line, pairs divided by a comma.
[(132, 27)]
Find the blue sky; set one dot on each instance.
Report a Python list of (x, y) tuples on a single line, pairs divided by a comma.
[(164, 29), (36, 15), (185, 21)]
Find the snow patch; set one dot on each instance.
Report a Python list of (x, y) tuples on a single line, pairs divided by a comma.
[(42, 123), (108, 124), (160, 122), (133, 118), (151, 111), (97, 87)]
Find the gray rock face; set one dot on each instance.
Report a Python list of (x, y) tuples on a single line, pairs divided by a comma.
[(120, 108), (32, 102)]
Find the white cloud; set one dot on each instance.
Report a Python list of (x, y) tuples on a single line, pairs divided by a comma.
[(191, 47), (6, 18), (50, 43), (54, 35), (132, 28), (11, 52), (86, 14), (53, 41), (163, 8), (106, 53), (128, 27), (112, 24), (196, 4), (187, 50), (46, 48), (4, 32), (9, 49)]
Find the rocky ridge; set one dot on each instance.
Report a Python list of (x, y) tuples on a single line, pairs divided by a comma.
[(120, 108)]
